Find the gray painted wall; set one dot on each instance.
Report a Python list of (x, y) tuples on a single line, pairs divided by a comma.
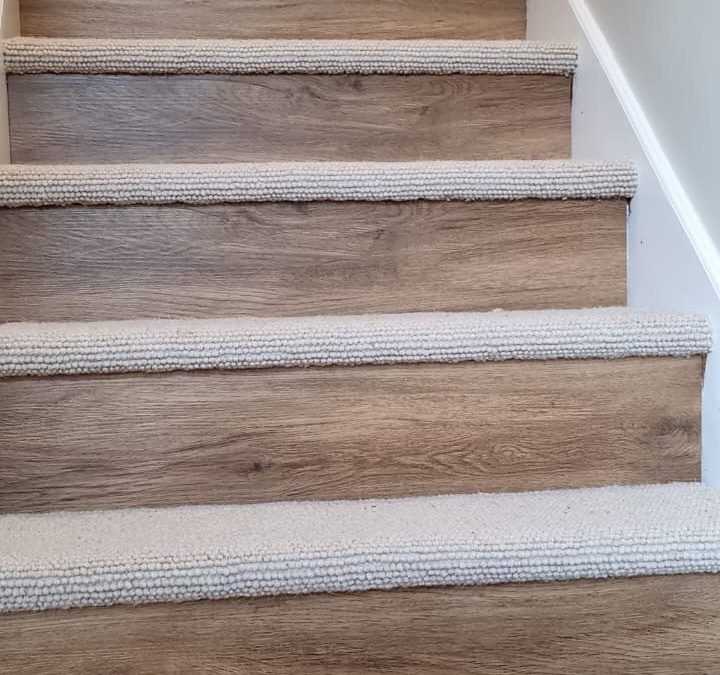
[(670, 52)]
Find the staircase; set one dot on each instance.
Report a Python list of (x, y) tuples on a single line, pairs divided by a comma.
[(259, 410)]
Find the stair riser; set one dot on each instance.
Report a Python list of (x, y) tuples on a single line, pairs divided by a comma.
[(81, 118), (671, 624), (468, 19), (218, 437), (93, 264)]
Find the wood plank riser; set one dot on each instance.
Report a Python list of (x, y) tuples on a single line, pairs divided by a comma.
[(645, 626), (327, 433), (93, 264), (117, 118), (302, 19)]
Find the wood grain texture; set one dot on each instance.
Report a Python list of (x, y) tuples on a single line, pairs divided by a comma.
[(213, 118), (326, 433), (644, 626), (94, 264), (303, 19)]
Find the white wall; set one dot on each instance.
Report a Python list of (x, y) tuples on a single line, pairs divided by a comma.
[(673, 262), (670, 52), (9, 27)]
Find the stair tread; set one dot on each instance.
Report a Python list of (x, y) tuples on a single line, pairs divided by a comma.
[(89, 558), (195, 56), (161, 345), (122, 184)]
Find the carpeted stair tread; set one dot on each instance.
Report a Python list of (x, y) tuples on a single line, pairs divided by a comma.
[(160, 345), (59, 560), (97, 56), (113, 184)]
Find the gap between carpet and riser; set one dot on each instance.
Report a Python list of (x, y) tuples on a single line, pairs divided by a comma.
[(61, 560), (161, 345), (401, 57), (59, 185)]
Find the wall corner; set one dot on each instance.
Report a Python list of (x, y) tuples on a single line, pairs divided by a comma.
[(9, 27)]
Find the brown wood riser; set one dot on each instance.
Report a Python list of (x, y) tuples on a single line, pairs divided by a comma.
[(644, 626), (213, 118), (102, 263), (345, 433), (299, 19)]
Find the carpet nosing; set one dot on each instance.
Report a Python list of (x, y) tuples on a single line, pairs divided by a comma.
[(28, 185), (578, 533), (27, 55), (561, 553), (164, 345)]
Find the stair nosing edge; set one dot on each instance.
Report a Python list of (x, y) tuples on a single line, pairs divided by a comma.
[(165, 345), (163, 56), (80, 559), (125, 184)]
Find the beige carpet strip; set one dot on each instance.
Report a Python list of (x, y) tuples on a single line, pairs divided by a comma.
[(161, 345), (402, 57), (57, 185), (67, 559)]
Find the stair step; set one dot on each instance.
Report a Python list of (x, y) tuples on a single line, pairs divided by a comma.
[(97, 100), (434, 251), (112, 184), (331, 57), (164, 345), (270, 19), (62, 560), (563, 389)]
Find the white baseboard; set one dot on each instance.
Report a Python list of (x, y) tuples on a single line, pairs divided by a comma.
[(9, 27), (672, 261)]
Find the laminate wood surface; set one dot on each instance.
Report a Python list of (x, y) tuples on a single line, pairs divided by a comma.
[(94, 264), (644, 626), (355, 432), (217, 118), (302, 19)]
